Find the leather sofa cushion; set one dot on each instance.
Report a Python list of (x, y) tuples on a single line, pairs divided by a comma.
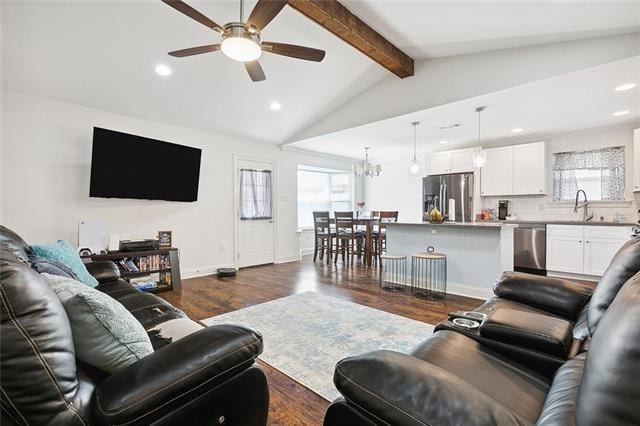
[(555, 295), (147, 308), (496, 303), (609, 393), (103, 270), (39, 384), (538, 332), (560, 406), (506, 382), (624, 265), (175, 373), (12, 242)]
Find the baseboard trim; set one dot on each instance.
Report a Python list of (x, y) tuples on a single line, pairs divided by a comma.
[(201, 271), (573, 276), (287, 259), (464, 290)]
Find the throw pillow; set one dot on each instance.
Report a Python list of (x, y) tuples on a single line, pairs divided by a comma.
[(42, 265), (63, 252), (105, 334)]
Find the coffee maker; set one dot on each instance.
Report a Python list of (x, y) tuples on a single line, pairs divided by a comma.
[(503, 209)]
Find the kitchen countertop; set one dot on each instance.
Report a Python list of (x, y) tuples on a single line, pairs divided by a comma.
[(485, 224), (560, 222)]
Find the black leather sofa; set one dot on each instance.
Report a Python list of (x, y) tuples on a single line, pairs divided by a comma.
[(196, 375), (543, 321), (454, 378)]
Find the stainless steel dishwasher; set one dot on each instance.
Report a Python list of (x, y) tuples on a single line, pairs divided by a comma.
[(530, 249)]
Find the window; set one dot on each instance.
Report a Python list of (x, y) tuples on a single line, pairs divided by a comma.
[(322, 190), (599, 172), (255, 194)]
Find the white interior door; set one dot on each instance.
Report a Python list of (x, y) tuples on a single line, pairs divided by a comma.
[(255, 198)]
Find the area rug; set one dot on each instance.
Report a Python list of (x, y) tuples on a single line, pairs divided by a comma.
[(306, 334)]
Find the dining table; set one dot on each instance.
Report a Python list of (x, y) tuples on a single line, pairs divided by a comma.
[(368, 223)]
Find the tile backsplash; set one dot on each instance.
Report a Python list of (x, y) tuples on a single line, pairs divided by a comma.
[(542, 208)]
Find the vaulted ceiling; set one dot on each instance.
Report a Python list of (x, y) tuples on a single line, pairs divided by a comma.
[(102, 54)]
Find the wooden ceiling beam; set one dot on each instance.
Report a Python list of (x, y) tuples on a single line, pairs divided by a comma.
[(337, 19)]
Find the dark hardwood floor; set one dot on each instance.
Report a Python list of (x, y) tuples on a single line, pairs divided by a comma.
[(291, 403)]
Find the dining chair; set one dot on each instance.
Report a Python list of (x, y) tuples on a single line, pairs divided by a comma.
[(380, 235), (348, 238), (323, 235)]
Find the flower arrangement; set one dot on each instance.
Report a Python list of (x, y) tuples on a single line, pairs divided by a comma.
[(360, 205)]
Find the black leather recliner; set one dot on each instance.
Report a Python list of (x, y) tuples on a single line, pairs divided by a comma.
[(451, 379), (543, 321), (206, 377)]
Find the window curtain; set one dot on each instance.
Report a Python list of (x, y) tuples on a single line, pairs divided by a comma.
[(255, 194), (610, 162)]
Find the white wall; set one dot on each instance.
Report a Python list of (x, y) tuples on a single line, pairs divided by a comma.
[(45, 173), (541, 207), (397, 189)]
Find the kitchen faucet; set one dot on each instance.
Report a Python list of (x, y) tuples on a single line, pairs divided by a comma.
[(586, 217)]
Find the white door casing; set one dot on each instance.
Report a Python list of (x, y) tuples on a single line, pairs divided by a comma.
[(254, 239)]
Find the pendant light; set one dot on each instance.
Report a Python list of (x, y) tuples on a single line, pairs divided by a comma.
[(479, 155), (414, 166), (367, 169)]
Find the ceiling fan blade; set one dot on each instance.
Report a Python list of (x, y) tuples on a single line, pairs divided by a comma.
[(294, 51), (184, 8), (264, 12), (255, 71), (195, 50)]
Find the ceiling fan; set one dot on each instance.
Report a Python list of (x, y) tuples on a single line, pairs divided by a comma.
[(241, 40)]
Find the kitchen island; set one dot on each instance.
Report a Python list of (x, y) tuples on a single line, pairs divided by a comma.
[(477, 253)]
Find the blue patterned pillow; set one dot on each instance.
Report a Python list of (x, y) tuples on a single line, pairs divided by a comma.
[(42, 265), (63, 252), (105, 334)]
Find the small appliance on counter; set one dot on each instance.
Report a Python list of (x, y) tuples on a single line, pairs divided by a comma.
[(503, 209)]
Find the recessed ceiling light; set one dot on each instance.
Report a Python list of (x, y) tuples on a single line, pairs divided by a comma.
[(163, 70), (516, 130), (443, 142), (275, 106), (626, 86), (621, 113)]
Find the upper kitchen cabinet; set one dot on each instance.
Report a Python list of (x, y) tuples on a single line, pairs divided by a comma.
[(497, 174), (515, 170), (529, 168), (636, 160), (458, 161)]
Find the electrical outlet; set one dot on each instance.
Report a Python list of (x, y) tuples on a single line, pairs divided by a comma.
[(221, 247), (434, 231)]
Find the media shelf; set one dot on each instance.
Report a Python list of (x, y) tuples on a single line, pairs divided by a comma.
[(168, 254)]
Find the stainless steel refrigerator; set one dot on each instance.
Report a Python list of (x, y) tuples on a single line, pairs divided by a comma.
[(439, 190)]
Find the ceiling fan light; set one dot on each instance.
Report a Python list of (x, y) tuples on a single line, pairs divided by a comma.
[(241, 49)]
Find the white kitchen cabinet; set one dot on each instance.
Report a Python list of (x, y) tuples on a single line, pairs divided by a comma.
[(583, 249), (529, 168), (439, 163), (636, 160), (462, 161), (565, 251), (458, 161), (598, 253), (496, 175)]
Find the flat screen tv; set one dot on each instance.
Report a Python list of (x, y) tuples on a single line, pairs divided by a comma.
[(129, 166)]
